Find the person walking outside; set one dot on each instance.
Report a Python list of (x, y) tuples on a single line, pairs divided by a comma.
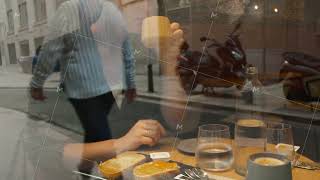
[(72, 43)]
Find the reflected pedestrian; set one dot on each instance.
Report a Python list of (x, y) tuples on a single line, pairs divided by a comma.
[(71, 43), (35, 58)]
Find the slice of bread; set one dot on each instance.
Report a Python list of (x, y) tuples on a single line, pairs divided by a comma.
[(156, 170), (123, 163)]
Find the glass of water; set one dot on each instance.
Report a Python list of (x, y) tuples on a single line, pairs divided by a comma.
[(214, 148), (280, 140)]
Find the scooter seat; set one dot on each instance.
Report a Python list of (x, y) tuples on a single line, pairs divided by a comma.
[(302, 59), (303, 70)]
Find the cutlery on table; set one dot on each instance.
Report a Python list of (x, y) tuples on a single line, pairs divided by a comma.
[(306, 165)]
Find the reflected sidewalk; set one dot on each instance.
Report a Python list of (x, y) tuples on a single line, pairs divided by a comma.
[(273, 103), (226, 100), (12, 76), (22, 145)]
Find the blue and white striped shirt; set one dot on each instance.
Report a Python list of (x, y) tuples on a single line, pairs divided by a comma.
[(75, 47)]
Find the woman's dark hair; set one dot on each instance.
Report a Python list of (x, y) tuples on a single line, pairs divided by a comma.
[(38, 50)]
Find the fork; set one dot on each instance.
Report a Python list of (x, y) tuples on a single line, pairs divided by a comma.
[(196, 174)]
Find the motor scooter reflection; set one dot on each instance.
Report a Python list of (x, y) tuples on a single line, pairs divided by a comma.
[(300, 74), (226, 70)]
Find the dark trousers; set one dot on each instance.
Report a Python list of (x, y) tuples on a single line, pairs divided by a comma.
[(93, 114)]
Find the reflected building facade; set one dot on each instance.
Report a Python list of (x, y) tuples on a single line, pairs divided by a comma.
[(25, 26)]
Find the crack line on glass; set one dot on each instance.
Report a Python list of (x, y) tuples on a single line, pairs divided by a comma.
[(51, 116), (195, 76)]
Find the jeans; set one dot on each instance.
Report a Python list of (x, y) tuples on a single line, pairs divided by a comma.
[(93, 114)]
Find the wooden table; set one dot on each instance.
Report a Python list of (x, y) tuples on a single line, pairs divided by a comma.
[(167, 144)]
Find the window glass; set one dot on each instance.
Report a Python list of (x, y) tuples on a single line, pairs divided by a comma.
[(24, 48), (10, 21), (23, 14), (40, 10), (12, 53), (101, 78)]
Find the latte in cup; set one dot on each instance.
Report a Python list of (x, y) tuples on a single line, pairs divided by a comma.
[(250, 123), (269, 166), (268, 161)]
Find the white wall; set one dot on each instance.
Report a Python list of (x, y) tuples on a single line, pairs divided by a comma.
[(3, 27), (35, 29)]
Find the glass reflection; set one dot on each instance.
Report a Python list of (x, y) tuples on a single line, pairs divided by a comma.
[(97, 90)]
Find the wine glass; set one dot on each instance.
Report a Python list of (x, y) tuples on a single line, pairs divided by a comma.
[(280, 139), (214, 148)]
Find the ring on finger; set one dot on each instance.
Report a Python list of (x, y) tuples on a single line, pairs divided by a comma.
[(149, 132)]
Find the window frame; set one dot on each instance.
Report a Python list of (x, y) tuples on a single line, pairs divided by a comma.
[(23, 16), (22, 44), (10, 21), (40, 10)]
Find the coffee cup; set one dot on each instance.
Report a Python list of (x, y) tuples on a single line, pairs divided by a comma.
[(266, 166), (156, 32)]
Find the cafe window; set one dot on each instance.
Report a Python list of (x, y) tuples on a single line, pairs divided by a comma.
[(24, 48), (10, 21), (12, 53), (38, 41), (9, 16), (227, 95), (23, 14), (40, 9)]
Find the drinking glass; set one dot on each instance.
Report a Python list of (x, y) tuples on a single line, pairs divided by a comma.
[(250, 138), (280, 140), (214, 148)]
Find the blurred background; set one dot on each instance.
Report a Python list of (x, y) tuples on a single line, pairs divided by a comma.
[(280, 38)]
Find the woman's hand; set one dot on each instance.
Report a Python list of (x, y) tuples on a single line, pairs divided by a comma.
[(171, 50), (131, 95), (144, 132), (37, 94), (171, 87)]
